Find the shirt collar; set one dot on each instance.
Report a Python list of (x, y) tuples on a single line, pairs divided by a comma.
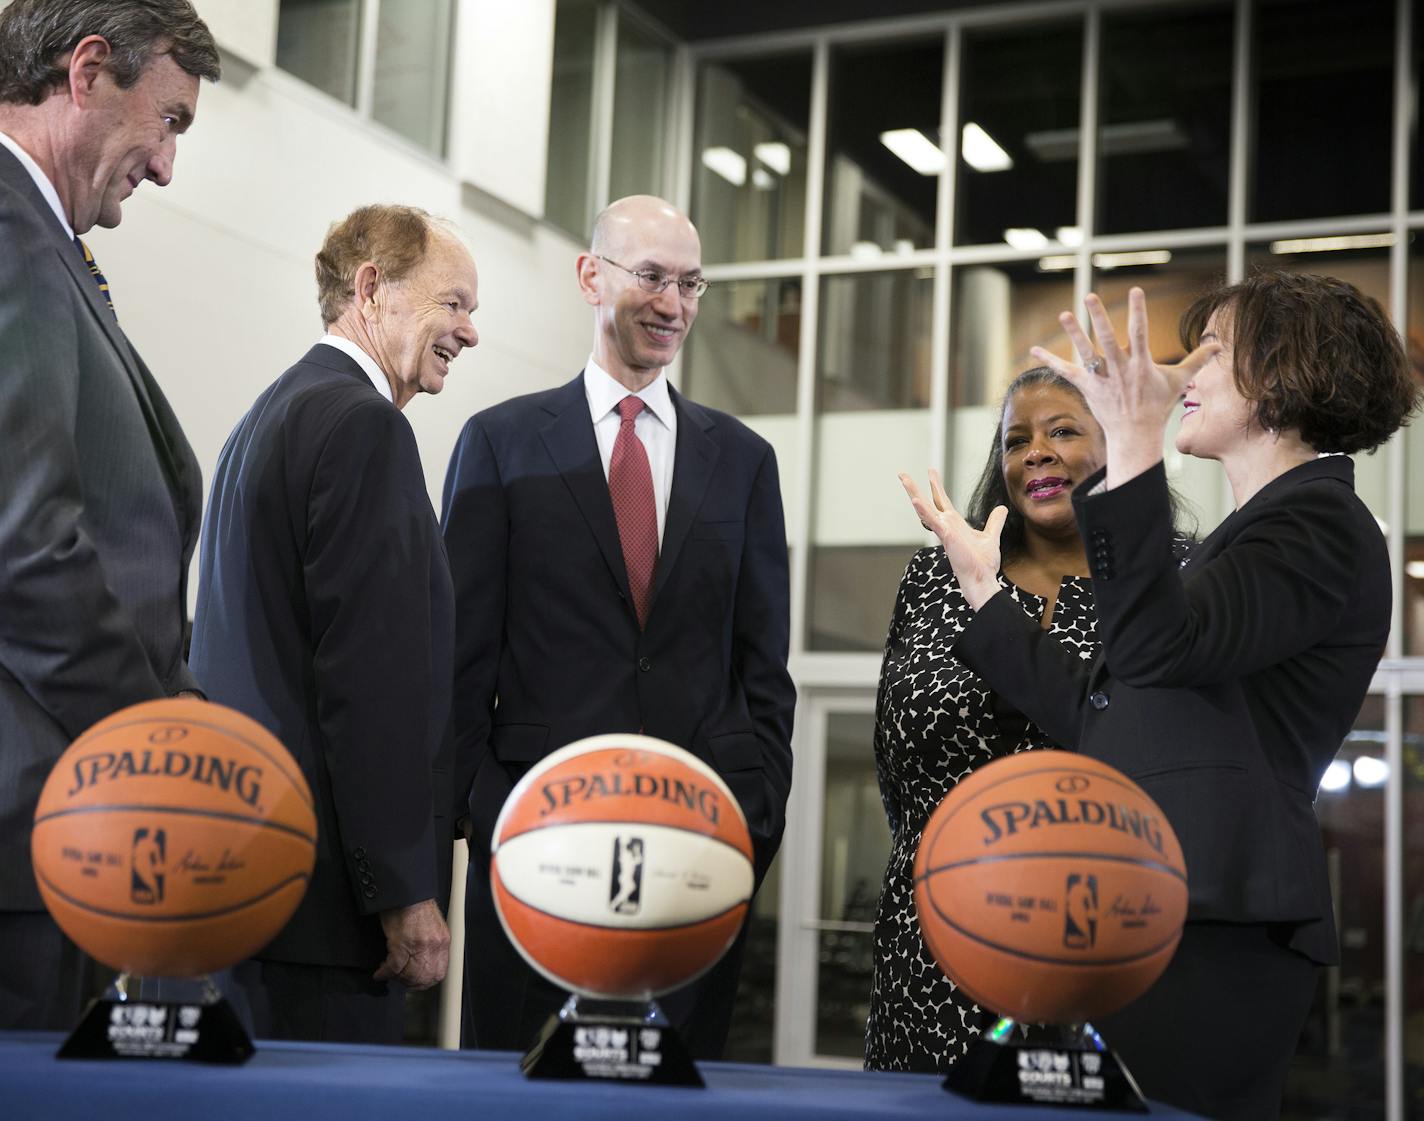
[(46, 188), (364, 360), (604, 392)]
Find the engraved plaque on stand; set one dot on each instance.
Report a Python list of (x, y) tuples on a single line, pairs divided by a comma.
[(617, 1040), (1056, 1065), (159, 1018)]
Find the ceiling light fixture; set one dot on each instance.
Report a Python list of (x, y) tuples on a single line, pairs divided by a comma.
[(1328, 244), (726, 163), (981, 151), (775, 155), (1025, 237), (915, 148)]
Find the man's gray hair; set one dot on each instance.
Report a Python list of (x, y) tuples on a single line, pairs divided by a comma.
[(36, 36)]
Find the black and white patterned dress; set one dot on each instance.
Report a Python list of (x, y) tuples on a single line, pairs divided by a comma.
[(935, 722)]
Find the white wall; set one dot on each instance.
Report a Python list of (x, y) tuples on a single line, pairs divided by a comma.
[(212, 276)]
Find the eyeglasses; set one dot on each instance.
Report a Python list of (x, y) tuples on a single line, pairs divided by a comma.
[(650, 280)]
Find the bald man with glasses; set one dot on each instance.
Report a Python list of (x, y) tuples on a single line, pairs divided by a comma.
[(619, 557)]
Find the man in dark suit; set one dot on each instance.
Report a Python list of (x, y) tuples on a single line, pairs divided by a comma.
[(619, 556), (325, 612), (99, 491)]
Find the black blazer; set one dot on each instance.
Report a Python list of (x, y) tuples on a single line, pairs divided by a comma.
[(99, 502), (326, 613), (546, 627), (1224, 689)]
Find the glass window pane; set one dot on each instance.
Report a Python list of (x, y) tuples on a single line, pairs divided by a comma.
[(998, 312), (317, 40), (1164, 147), (749, 189), (640, 110), (1363, 260), (1323, 103), (412, 81), (1018, 134), (883, 151), (1340, 1055), (855, 846), (1416, 171), (566, 189), (754, 1014), (1413, 1000), (1413, 438), (875, 341), (873, 386), (742, 357)]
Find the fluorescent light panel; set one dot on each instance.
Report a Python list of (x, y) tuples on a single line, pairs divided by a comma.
[(1336, 777), (915, 148), (1071, 236), (726, 163), (1025, 237), (981, 151), (762, 179), (775, 155), (1061, 262), (1328, 244)]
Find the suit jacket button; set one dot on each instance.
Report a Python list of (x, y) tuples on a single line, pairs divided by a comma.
[(644, 664), (369, 893), (359, 853), (1099, 700)]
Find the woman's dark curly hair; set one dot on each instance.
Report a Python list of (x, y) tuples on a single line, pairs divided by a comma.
[(1314, 354), (991, 490)]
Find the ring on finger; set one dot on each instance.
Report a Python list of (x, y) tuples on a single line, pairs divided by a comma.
[(1094, 366)]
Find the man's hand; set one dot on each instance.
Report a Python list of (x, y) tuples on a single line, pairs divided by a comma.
[(417, 945)]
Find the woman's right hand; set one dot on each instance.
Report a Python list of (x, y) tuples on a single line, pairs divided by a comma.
[(973, 553)]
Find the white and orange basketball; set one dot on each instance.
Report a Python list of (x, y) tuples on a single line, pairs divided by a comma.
[(621, 867)]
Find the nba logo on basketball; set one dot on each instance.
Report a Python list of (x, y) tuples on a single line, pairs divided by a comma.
[(1080, 915), (149, 859), (625, 893)]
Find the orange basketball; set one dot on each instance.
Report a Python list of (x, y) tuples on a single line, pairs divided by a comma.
[(174, 838), (1050, 888), (621, 867)]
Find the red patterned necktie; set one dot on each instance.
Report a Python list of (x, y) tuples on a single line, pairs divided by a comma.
[(630, 483)]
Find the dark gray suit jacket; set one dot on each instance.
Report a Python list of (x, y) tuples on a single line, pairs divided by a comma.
[(325, 612), (99, 503)]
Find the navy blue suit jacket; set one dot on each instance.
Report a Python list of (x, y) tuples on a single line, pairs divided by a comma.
[(325, 613), (548, 649)]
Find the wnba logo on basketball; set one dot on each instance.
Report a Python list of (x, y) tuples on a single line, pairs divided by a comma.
[(625, 893)]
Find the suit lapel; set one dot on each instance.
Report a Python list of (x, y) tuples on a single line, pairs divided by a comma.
[(569, 438), (694, 462), (138, 377)]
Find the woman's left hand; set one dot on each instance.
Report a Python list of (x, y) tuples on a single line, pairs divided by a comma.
[(973, 553), (1131, 395)]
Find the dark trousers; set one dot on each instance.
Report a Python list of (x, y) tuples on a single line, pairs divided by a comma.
[(44, 977), (315, 1003), (1216, 1033), (506, 1002)]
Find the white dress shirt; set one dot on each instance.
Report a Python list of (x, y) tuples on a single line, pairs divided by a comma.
[(51, 196), (364, 360), (655, 426)]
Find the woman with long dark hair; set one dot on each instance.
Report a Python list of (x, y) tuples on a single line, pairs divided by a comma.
[(936, 720)]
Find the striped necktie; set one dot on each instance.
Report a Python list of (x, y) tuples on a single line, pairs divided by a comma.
[(97, 275)]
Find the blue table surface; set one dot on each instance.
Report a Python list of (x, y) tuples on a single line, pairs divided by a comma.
[(316, 1082)]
